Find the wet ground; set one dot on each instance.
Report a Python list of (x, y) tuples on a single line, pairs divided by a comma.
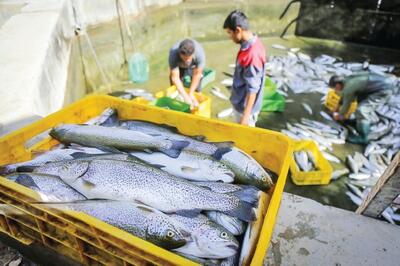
[(155, 31)]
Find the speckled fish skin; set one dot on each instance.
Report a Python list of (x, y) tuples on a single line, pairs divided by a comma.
[(233, 225), (210, 240), (190, 165), (139, 220), (50, 156), (201, 261), (50, 188), (246, 169), (123, 180), (115, 138)]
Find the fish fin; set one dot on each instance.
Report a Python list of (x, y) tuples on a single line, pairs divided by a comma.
[(154, 134), (175, 150), (26, 168), (112, 120), (7, 169), (88, 184), (79, 155), (145, 208), (189, 213), (248, 194), (220, 152), (148, 151), (188, 169), (159, 166), (223, 144), (244, 211), (26, 181), (199, 137), (108, 149)]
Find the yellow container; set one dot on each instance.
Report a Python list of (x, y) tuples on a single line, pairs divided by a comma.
[(320, 177), (204, 108), (332, 103), (93, 242)]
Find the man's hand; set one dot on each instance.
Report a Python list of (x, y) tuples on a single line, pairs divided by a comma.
[(194, 100), (337, 116)]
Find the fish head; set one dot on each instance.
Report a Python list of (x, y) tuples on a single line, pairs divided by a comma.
[(167, 234), (215, 240), (59, 132), (220, 172), (66, 170), (232, 224)]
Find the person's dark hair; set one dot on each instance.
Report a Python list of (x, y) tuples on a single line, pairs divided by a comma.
[(335, 80), (236, 19), (186, 47)]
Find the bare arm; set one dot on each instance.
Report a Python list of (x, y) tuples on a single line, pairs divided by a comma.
[(195, 79), (250, 100), (174, 75)]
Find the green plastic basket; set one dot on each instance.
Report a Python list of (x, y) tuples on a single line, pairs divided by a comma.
[(208, 77), (172, 104), (272, 101)]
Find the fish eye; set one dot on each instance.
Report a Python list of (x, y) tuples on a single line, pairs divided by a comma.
[(264, 179), (170, 234), (224, 235)]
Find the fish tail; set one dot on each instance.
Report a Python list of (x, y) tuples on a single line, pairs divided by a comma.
[(248, 194), (176, 148), (8, 169), (244, 211)]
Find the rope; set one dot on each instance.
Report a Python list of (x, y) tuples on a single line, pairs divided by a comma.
[(120, 30)]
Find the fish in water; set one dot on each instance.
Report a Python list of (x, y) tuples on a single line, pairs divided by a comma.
[(279, 47), (115, 139), (189, 165), (130, 181), (326, 116), (330, 157), (210, 240), (140, 220), (219, 94), (49, 187), (246, 169), (227, 82), (225, 113), (232, 224), (307, 108)]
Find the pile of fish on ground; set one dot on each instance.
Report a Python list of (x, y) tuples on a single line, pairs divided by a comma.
[(302, 74), (183, 194)]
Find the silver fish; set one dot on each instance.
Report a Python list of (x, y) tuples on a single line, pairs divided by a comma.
[(115, 138), (140, 220), (326, 116), (330, 157), (246, 169), (190, 165), (130, 181), (233, 225), (225, 113), (219, 94), (50, 188), (209, 239), (49, 156), (339, 173), (307, 108)]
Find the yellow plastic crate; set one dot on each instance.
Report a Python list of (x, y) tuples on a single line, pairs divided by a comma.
[(332, 103), (93, 242), (204, 108), (320, 177)]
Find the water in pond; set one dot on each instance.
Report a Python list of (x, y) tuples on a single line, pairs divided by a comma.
[(156, 30)]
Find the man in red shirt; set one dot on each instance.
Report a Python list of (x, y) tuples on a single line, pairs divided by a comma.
[(249, 76)]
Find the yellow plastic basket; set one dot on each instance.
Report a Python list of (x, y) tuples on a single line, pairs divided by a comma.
[(320, 177), (332, 103), (93, 242), (204, 108)]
